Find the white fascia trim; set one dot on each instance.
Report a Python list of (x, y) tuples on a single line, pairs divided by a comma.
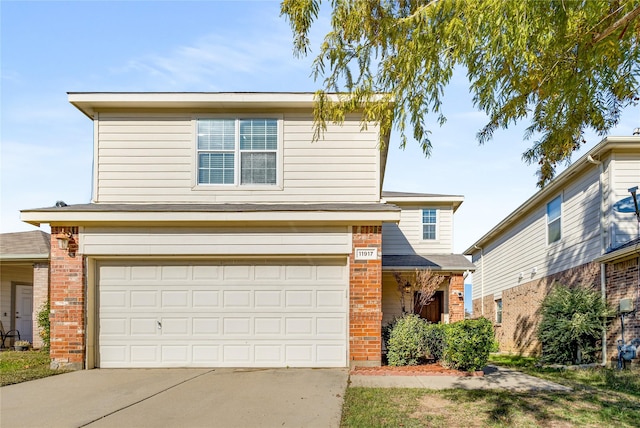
[(619, 254), (80, 217), (91, 102), (24, 257)]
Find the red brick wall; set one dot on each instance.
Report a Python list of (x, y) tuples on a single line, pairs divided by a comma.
[(521, 307), (365, 299), (456, 304), (67, 297), (623, 281)]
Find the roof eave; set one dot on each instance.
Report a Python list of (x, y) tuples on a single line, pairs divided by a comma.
[(92, 217)]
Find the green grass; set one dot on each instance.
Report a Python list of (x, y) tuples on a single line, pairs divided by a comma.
[(600, 397), (16, 367), (605, 379)]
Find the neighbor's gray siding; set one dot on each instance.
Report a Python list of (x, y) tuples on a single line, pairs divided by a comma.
[(623, 227), (523, 247)]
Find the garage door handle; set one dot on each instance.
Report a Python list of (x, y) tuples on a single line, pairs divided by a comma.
[(159, 325)]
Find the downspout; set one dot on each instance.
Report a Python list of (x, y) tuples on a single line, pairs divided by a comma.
[(481, 278), (603, 266)]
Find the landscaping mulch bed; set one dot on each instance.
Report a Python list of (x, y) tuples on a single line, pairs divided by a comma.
[(433, 369)]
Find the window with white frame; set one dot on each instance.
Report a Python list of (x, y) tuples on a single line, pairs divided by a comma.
[(429, 223), (554, 220), (499, 311), (237, 151)]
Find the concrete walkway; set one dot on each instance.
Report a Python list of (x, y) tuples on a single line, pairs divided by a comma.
[(494, 378)]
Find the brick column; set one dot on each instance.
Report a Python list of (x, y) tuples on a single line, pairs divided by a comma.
[(67, 302), (456, 304), (40, 297), (365, 299)]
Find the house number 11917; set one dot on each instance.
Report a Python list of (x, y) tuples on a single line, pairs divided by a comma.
[(366, 254)]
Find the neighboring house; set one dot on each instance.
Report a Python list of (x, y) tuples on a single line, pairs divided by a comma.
[(24, 281), (221, 235), (577, 230)]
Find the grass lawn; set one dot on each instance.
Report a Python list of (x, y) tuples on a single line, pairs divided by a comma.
[(16, 367), (601, 397)]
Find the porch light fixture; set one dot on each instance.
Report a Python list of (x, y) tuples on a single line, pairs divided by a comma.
[(63, 240), (407, 287)]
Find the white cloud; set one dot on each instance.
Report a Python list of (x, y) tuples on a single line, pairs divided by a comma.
[(216, 62)]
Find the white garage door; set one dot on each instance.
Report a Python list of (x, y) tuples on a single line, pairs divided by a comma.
[(223, 314)]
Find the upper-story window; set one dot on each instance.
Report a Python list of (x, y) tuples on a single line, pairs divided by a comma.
[(429, 222), (554, 220), (237, 151)]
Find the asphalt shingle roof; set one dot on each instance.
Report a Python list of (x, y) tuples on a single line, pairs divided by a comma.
[(444, 262), (35, 242)]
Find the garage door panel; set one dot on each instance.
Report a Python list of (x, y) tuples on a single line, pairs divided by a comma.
[(204, 326), (264, 326), (144, 326), (206, 299), (236, 299), (299, 299), (144, 299), (269, 314)]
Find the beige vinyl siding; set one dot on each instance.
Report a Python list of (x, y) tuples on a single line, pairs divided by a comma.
[(145, 158), (626, 174), (215, 241), (406, 237), (523, 246)]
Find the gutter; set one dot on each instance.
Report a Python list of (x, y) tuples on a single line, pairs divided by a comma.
[(603, 266)]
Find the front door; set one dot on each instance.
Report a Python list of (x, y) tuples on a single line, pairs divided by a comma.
[(24, 312), (433, 311)]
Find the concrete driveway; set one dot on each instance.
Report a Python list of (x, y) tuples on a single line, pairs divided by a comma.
[(178, 397)]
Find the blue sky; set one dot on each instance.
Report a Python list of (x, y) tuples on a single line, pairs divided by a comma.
[(51, 48)]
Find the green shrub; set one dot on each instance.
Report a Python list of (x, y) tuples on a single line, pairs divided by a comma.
[(407, 341), (435, 336), (571, 325), (468, 344), (386, 331), (43, 323)]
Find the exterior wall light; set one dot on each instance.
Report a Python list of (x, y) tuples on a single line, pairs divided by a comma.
[(63, 240)]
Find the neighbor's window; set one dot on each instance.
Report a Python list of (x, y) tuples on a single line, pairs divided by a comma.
[(554, 220), (499, 311), (429, 218), (237, 151)]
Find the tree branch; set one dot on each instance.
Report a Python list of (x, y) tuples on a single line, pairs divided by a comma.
[(619, 23)]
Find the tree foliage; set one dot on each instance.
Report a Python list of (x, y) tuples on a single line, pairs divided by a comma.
[(571, 325), (564, 65)]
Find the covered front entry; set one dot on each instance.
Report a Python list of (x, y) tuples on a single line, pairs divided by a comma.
[(223, 313)]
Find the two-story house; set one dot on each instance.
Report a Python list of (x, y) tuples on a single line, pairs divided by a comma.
[(579, 229), (220, 234)]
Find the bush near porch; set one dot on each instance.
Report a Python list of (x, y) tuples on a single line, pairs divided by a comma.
[(464, 345)]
